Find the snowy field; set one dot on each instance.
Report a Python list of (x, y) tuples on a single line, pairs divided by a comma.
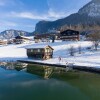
[(89, 58)]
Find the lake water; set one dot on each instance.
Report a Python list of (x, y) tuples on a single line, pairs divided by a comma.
[(32, 82)]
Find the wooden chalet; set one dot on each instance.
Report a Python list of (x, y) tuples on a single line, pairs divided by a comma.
[(20, 39), (45, 37), (42, 38), (41, 52), (70, 35)]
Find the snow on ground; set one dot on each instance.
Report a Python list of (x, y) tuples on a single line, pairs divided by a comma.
[(86, 58), (12, 52)]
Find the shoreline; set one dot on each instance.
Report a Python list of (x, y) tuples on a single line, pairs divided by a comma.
[(41, 63), (75, 67)]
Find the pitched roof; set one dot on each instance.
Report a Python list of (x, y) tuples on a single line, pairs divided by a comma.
[(39, 46), (69, 31), (22, 37)]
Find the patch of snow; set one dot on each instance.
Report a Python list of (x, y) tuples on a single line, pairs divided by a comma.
[(86, 58)]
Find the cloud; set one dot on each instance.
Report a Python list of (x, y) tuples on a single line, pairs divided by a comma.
[(4, 25), (7, 23), (11, 3), (25, 14), (57, 15), (50, 15), (55, 11), (28, 15), (64, 8)]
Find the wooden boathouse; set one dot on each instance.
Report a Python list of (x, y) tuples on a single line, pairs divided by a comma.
[(40, 52)]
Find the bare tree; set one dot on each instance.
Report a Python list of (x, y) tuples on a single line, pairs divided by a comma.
[(53, 39), (80, 49), (95, 38), (72, 51)]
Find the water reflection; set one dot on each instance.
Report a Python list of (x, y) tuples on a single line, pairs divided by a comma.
[(20, 81), (43, 71), (13, 65)]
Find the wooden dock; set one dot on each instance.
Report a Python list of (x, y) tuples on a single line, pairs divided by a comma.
[(76, 67), (40, 63)]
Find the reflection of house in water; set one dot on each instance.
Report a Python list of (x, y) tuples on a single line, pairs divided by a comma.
[(7, 66), (40, 52), (47, 71), (35, 69), (21, 67), (44, 71), (3, 63), (12, 65)]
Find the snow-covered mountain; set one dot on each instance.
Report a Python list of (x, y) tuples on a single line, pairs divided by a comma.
[(8, 34), (91, 9), (87, 15)]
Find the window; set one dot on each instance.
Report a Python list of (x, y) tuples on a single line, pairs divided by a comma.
[(73, 33), (47, 50), (31, 50), (38, 50)]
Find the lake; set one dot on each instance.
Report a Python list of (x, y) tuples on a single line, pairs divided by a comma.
[(19, 81)]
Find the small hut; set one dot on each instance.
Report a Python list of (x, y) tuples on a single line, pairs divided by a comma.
[(20, 39), (40, 52), (2, 42)]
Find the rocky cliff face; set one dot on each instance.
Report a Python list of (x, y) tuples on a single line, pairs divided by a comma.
[(8, 34), (91, 9), (87, 15)]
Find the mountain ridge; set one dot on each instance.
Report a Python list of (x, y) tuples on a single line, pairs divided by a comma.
[(89, 14), (11, 33), (91, 9)]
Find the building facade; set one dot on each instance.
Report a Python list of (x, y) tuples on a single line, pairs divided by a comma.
[(20, 39), (44, 52), (46, 37), (69, 35)]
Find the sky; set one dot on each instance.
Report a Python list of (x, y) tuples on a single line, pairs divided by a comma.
[(24, 14)]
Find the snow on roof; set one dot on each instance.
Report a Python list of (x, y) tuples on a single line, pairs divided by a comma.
[(24, 37), (38, 46), (28, 37)]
